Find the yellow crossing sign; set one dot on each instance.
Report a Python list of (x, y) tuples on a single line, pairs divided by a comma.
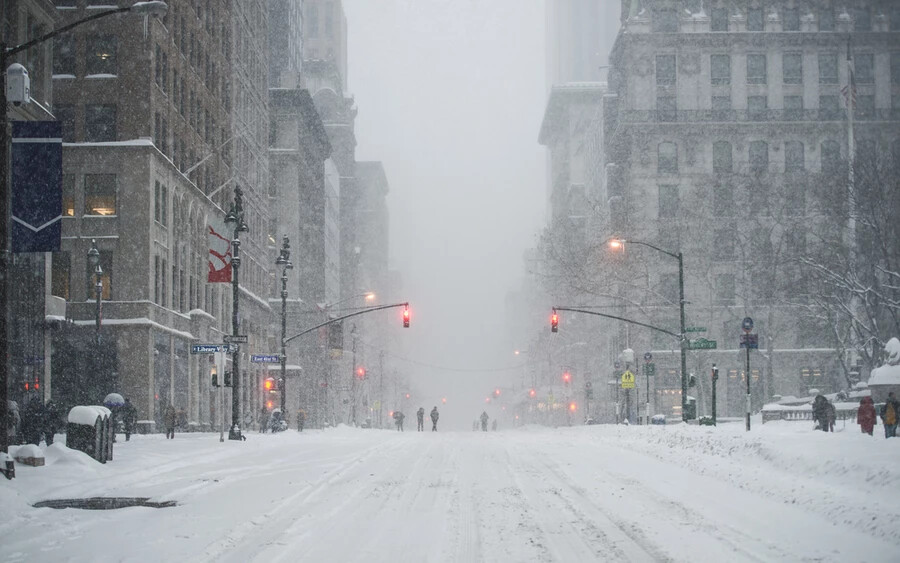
[(627, 380)]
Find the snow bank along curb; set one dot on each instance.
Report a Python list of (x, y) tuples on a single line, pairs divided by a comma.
[(87, 415)]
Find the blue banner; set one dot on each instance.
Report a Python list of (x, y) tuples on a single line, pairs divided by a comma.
[(36, 182)]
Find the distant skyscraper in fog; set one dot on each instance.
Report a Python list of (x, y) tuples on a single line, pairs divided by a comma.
[(579, 35)]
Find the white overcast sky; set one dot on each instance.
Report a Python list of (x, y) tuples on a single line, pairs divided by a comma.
[(450, 96)]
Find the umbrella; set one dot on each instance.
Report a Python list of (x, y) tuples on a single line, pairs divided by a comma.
[(113, 400)]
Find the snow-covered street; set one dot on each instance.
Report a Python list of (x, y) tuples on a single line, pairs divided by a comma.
[(600, 493)]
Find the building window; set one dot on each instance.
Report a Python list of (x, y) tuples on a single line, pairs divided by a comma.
[(757, 107), (665, 69), (106, 264), (723, 199), (719, 19), (163, 296), (667, 158), (68, 195), (759, 157), (64, 54), (99, 194), (156, 265), (665, 21), (828, 69), (793, 68), (895, 67), (721, 106), (666, 108), (160, 204), (723, 244), (65, 114), (793, 156), (725, 289), (719, 69), (61, 274), (755, 20), (722, 161), (101, 54), (895, 18), (791, 19), (865, 107), (829, 108), (862, 19), (793, 107), (668, 201), (826, 19), (756, 69), (864, 68), (99, 123)]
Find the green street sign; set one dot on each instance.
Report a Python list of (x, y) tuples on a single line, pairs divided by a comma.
[(649, 369), (695, 329), (701, 344)]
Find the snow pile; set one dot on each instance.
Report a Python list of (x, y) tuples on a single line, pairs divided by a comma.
[(87, 414), (889, 373)]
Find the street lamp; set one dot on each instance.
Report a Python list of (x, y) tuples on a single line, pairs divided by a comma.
[(141, 8), (284, 260), (617, 244), (235, 219)]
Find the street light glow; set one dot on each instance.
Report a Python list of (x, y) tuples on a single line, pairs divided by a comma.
[(369, 296), (616, 244)]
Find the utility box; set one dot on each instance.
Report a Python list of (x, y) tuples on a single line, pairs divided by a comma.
[(690, 408), (18, 84)]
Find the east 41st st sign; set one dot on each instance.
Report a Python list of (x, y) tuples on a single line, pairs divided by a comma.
[(701, 344)]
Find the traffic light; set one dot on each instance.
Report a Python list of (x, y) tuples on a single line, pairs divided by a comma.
[(496, 392), (215, 379), (554, 322), (532, 393), (567, 377), (406, 317), (270, 385), (361, 372), (227, 379), (572, 406), (715, 373)]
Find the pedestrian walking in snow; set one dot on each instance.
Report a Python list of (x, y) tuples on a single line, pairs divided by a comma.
[(434, 419), (51, 422), (831, 414), (494, 426), (301, 419), (33, 421), (263, 419), (129, 418), (398, 420), (820, 412), (170, 418), (420, 417), (865, 415), (484, 420), (889, 413)]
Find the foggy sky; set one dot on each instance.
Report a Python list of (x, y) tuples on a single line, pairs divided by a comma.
[(450, 96)]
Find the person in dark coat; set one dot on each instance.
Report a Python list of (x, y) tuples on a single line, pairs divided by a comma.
[(820, 412), (170, 418), (129, 418), (398, 420), (865, 415), (420, 417), (890, 411), (434, 419), (301, 419), (263, 419), (831, 415), (33, 421), (484, 419)]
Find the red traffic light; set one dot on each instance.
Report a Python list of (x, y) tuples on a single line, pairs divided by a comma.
[(532, 393), (567, 377), (554, 322), (496, 392), (269, 384), (407, 395), (572, 407), (406, 317), (361, 372)]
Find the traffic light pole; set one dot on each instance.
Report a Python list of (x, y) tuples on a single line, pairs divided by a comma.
[(338, 319)]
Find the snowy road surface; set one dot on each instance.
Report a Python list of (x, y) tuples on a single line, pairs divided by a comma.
[(599, 493)]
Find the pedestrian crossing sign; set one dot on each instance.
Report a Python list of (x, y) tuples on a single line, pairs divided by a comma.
[(628, 380)]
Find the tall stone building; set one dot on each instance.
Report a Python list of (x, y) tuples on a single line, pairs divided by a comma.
[(725, 133), (159, 129)]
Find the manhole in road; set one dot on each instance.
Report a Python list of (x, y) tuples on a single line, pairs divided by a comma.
[(103, 503)]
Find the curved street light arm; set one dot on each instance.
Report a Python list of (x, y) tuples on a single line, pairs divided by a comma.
[(623, 319), (331, 321)]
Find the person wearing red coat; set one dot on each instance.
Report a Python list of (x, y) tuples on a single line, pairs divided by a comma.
[(865, 416)]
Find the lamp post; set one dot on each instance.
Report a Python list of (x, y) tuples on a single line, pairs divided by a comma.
[(6, 52), (94, 260), (284, 260), (235, 219), (618, 243)]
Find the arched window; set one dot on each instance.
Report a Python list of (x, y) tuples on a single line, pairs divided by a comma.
[(667, 158), (722, 162), (794, 160)]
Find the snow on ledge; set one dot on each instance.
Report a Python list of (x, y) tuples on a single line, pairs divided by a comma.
[(100, 76), (87, 415)]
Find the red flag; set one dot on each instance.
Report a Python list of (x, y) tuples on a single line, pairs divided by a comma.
[(219, 253)]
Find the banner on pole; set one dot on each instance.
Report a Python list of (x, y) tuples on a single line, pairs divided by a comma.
[(219, 252), (36, 182)]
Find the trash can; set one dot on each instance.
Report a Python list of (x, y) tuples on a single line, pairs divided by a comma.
[(89, 430), (690, 409)]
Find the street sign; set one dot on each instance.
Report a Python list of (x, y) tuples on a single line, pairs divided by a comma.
[(701, 344), (747, 324), (695, 329), (617, 364), (750, 341), (265, 358), (649, 369), (239, 339), (648, 357), (210, 348), (627, 380)]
